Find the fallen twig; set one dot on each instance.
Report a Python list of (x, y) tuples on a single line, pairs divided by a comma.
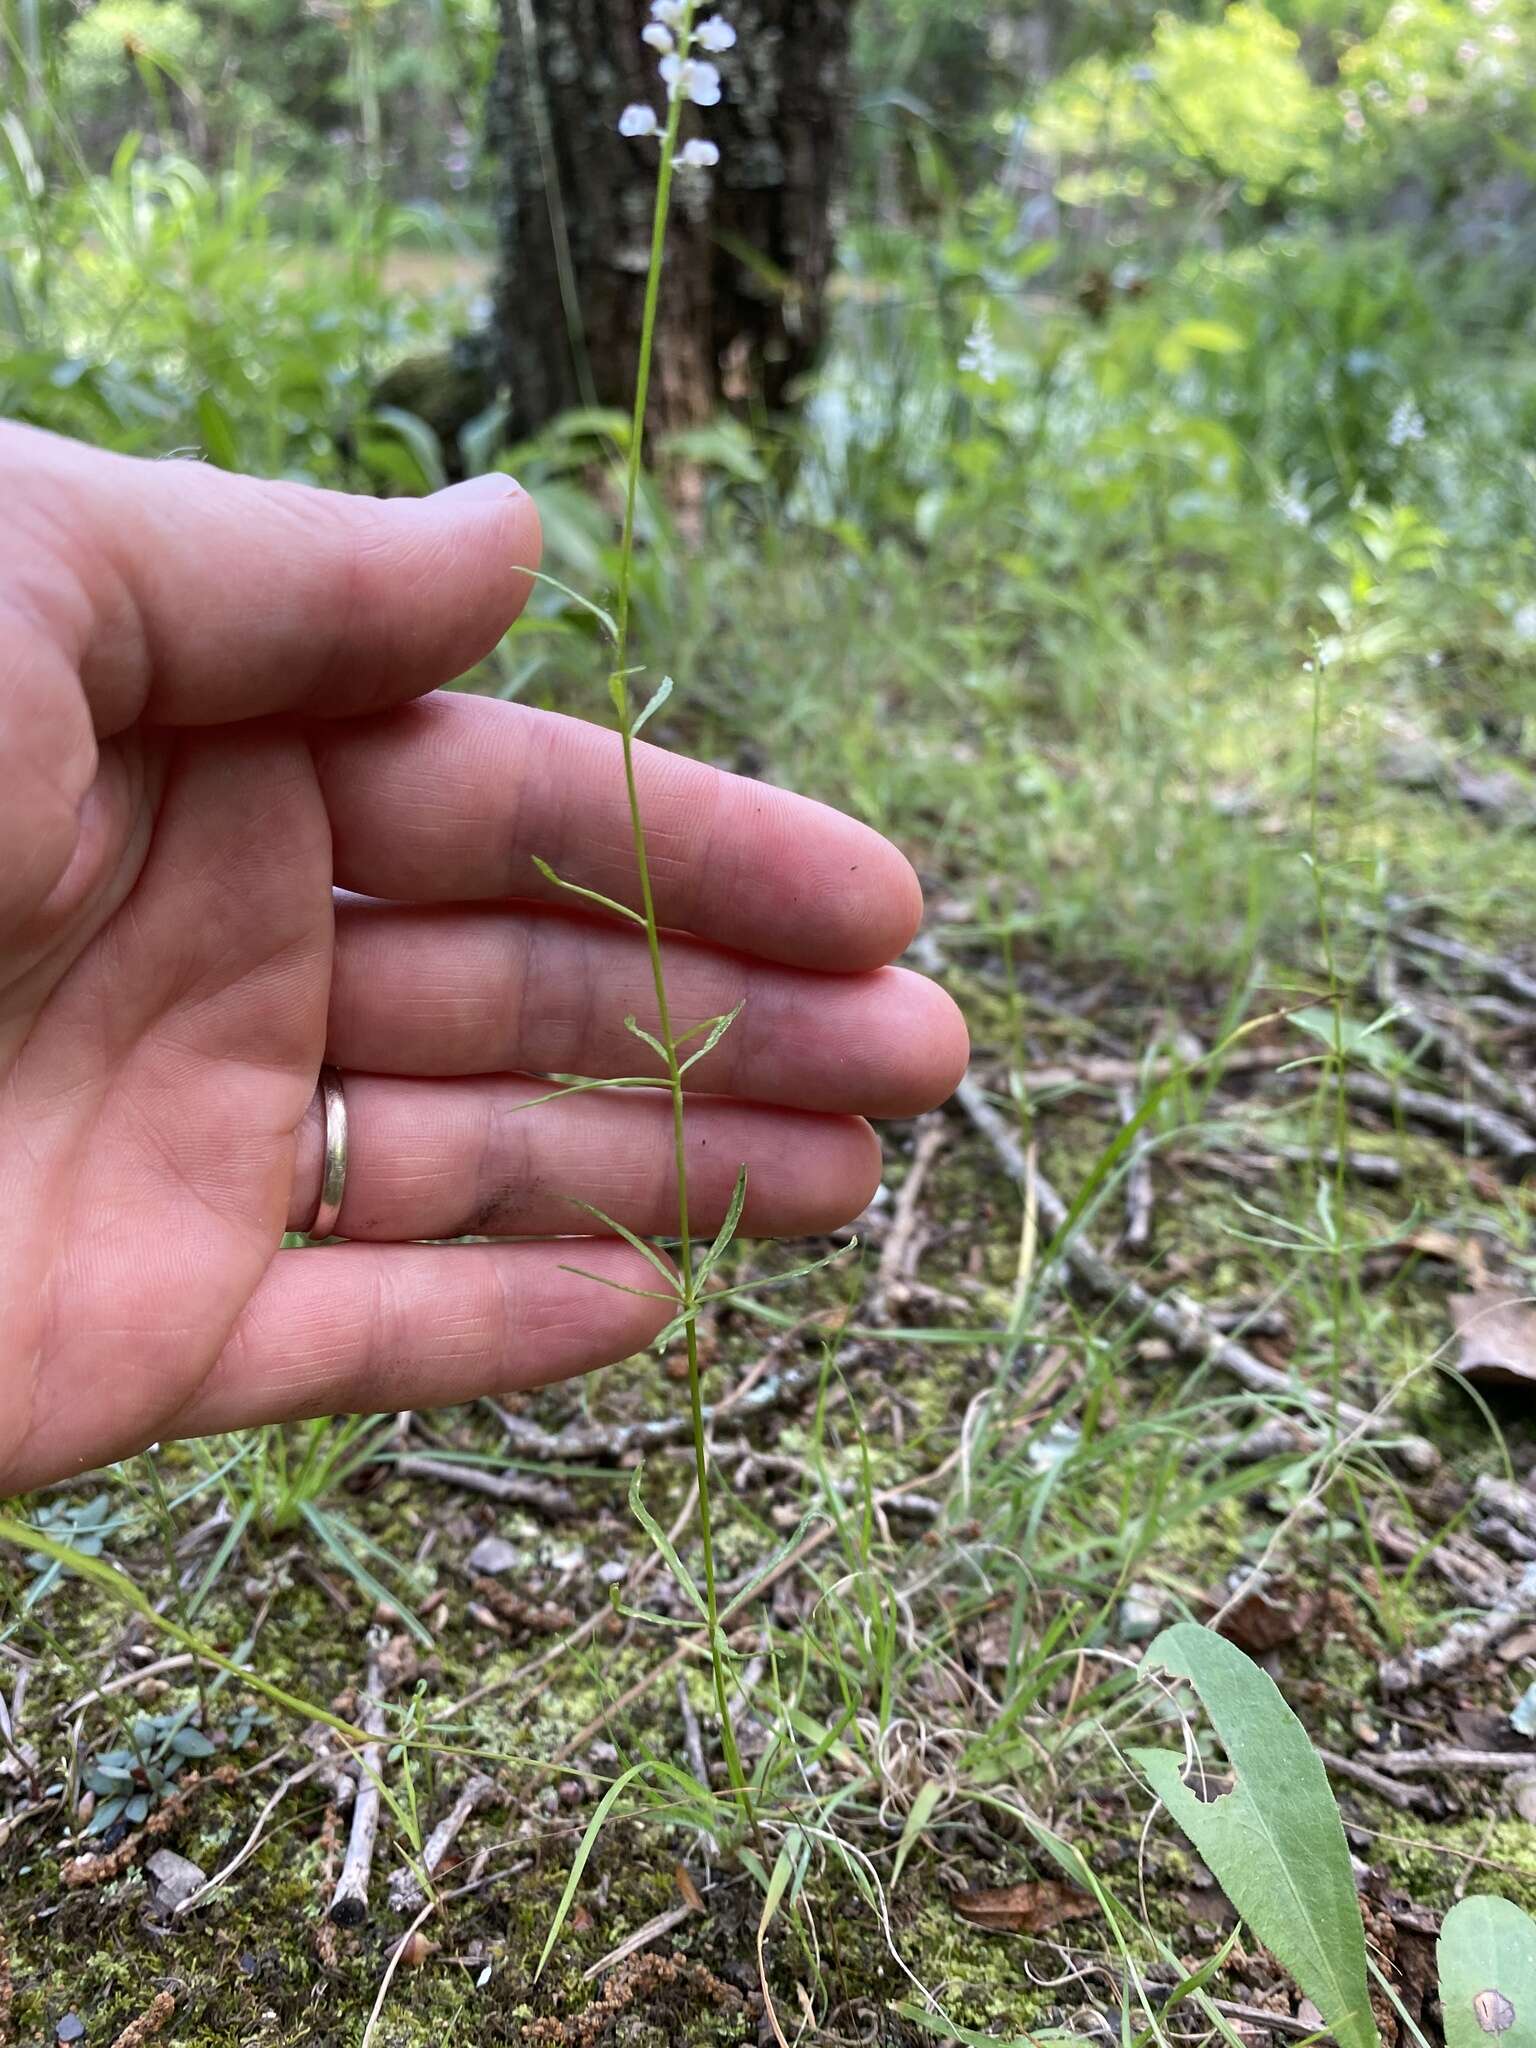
[(1502, 973), (1464, 1640), (642, 1937), (899, 1253), (1407, 1798), (1509, 1091), (514, 1488), (252, 1841), (1490, 1128), (1404, 1762), (1172, 1315), (1513, 1503), (405, 1892), (349, 1901)]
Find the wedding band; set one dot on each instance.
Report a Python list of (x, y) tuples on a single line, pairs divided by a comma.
[(333, 1185)]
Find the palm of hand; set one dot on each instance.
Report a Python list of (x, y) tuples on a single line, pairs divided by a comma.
[(206, 724)]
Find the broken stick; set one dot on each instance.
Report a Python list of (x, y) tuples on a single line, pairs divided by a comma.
[(405, 1892), (1464, 1640), (1172, 1315), (349, 1902)]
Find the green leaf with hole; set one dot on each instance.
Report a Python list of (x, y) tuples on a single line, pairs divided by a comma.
[(1275, 1841), (1487, 1955)]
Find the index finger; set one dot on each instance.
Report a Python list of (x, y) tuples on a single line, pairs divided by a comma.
[(452, 799)]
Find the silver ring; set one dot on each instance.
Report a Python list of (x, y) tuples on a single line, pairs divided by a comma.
[(333, 1183)]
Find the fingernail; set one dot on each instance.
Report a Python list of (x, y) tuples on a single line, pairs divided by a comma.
[(479, 489)]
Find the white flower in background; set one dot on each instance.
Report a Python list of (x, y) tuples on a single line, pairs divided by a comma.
[(690, 78), (1293, 508), (979, 356), (715, 35), (697, 156), (669, 12), (1524, 623), (659, 36), (638, 121), (1503, 32), (1405, 425)]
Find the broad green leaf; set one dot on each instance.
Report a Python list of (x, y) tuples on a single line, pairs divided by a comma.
[(1487, 1955), (1275, 1841)]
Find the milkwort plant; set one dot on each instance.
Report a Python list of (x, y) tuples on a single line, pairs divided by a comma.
[(684, 47)]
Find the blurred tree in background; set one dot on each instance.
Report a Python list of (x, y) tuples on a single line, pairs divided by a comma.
[(742, 314)]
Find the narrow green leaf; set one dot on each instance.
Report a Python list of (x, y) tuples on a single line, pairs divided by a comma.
[(645, 1037), (725, 1233), (647, 1251), (664, 690), (605, 1806), (604, 619), (1487, 1955), (929, 1793), (715, 1028), (591, 895), (664, 1544), (1275, 1841)]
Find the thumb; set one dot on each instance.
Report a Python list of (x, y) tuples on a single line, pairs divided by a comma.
[(189, 597)]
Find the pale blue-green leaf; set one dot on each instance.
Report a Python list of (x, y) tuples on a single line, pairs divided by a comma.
[(1275, 1841), (1487, 1956)]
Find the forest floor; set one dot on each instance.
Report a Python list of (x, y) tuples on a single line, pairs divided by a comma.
[(964, 1474)]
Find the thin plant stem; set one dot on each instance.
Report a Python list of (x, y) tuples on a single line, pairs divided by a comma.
[(619, 686)]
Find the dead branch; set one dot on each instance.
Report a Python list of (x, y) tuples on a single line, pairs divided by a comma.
[(1489, 1128), (1464, 1640), (1453, 1051), (252, 1841), (1406, 1798), (405, 1892), (1403, 1763), (1513, 1503), (514, 1488), (1172, 1315), (1501, 973), (899, 1253), (349, 1901)]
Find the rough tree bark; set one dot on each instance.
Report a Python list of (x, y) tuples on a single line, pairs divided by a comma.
[(742, 312)]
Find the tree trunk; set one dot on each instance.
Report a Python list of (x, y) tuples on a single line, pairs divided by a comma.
[(751, 242)]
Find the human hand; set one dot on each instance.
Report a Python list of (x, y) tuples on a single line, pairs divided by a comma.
[(211, 718)]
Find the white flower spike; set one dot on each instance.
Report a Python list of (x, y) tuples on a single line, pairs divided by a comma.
[(638, 121), (697, 156), (979, 356), (715, 35), (691, 79)]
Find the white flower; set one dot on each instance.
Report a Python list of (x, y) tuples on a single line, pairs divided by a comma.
[(979, 356), (638, 121), (669, 11), (1405, 425), (691, 79), (1293, 508), (715, 35), (697, 156), (659, 36), (1524, 623)]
